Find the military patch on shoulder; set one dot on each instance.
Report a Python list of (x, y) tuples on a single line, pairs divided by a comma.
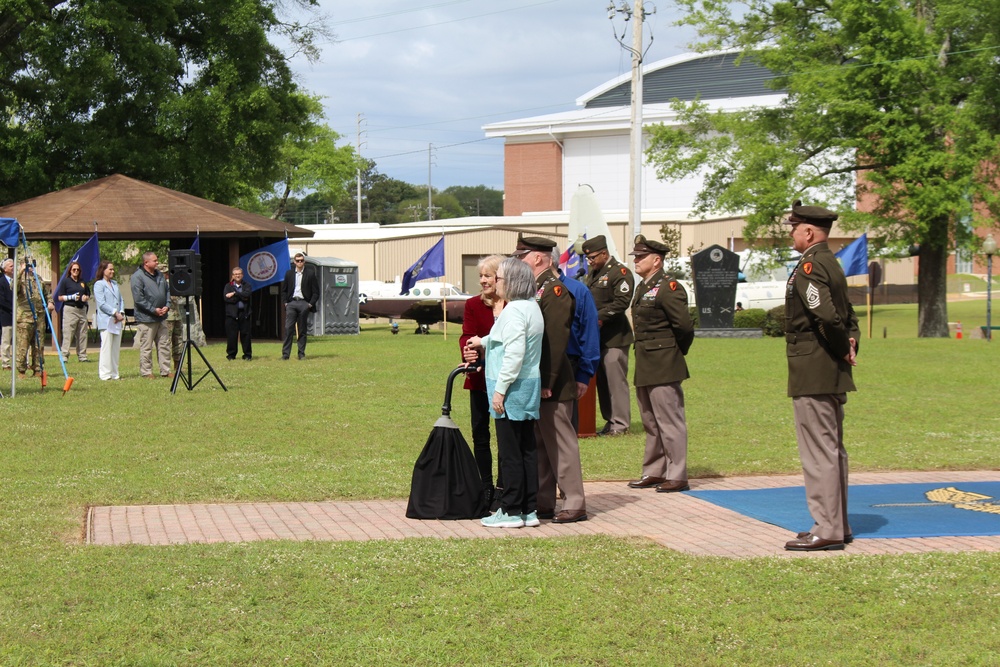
[(557, 290), (807, 268), (673, 285), (624, 271), (812, 296)]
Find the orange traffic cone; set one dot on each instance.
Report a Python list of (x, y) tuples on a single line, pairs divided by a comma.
[(958, 330)]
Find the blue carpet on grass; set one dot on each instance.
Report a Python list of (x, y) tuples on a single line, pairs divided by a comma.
[(942, 509)]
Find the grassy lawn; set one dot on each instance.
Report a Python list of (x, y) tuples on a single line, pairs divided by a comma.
[(349, 422)]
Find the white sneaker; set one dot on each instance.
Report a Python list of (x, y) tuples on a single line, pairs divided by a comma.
[(501, 519), (531, 520)]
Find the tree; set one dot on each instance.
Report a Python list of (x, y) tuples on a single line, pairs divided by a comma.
[(310, 160), (890, 105), (186, 94), (477, 199)]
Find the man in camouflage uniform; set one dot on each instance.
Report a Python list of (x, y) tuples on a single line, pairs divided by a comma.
[(663, 335), (558, 447), (174, 321), (30, 321), (612, 286), (821, 342)]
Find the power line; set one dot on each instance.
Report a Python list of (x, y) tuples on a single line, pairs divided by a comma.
[(431, 25)]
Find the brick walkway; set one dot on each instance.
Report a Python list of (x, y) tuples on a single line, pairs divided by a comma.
[(676, 521)]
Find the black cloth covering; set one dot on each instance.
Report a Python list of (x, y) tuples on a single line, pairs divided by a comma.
[(446, 482)]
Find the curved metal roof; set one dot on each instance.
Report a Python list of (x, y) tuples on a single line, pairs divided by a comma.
[(687, 77)]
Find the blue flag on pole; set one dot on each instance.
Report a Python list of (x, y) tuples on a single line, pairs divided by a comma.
[(854, 257), (430, 265), (196, 246), (88, 257), (266, 266)]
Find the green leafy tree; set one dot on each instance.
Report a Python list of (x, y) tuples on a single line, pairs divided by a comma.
[(190, 95), (890, 105), (477, 199), (382, 201), (311, 160)]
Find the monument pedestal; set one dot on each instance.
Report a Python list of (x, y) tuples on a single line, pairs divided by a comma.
[(728, 333)]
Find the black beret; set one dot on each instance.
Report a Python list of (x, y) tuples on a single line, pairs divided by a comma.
[(813, 215), (644, 246), (526, 244), (595, 244)]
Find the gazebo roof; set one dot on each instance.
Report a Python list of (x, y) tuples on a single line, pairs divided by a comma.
[(127, 209)]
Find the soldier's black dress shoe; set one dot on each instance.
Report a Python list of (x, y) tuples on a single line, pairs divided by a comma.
[(847, 538), (813, 543), (570, 516), (672, 486), (647, 482)]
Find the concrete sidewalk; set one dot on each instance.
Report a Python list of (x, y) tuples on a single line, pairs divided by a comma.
[(674, 520)]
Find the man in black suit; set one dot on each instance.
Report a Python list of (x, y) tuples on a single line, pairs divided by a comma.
[(299, 293), (7, 312), (236, 295)]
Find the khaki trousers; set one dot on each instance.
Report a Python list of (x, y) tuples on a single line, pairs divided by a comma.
[(558, 457), (153, 334), (819, 428), (74, 324), (613, 392), (662, 409)]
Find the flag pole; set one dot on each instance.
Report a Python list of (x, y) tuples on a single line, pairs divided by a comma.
[(444, 302)]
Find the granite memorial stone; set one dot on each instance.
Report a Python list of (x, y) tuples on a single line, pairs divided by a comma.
[(715, 272)]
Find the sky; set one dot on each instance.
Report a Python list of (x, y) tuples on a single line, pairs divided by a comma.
[(433, 72)]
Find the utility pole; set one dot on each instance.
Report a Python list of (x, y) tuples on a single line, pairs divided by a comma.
[(360, 119), (635, 144), (430, 204)]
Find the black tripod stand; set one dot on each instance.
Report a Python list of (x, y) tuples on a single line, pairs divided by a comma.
[(186, 355)]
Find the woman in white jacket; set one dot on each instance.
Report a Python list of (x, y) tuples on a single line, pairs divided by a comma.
[(108, 320)]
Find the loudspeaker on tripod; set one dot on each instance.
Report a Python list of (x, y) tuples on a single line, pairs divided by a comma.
[(185, 273)]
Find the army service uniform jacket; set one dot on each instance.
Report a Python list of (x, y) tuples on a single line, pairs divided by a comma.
[(557, 305), (612, 288), (663, 331), (819, 323)]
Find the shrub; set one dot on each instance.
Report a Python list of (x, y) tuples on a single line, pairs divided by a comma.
[(751, 318), (774, 324)]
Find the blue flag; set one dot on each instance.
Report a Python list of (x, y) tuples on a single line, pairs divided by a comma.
[(854, 257), (430, 265), (88, 257), (10, 232), (266, 266), (196, 246)]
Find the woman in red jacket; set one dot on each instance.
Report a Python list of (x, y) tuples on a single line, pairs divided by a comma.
[(480, 313)]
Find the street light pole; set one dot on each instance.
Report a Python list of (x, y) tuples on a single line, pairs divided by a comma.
[(990, 248)]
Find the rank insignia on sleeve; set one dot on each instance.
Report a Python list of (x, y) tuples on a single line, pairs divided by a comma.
[(623, 288), (557, 290), (807, 268), (812, 297), (673, 285)]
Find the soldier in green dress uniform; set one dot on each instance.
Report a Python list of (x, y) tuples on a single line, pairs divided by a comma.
[(821, 342), (663, 335), (612, 285)]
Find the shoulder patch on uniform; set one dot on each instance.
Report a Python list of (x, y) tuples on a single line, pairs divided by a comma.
[(557, 290), (624, 271), (673, 285), (807, 268)]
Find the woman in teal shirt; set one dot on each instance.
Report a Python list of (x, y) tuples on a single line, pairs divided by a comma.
[(513, 350)]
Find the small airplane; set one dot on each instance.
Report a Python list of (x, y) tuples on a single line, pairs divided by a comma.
[(424, 303)]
